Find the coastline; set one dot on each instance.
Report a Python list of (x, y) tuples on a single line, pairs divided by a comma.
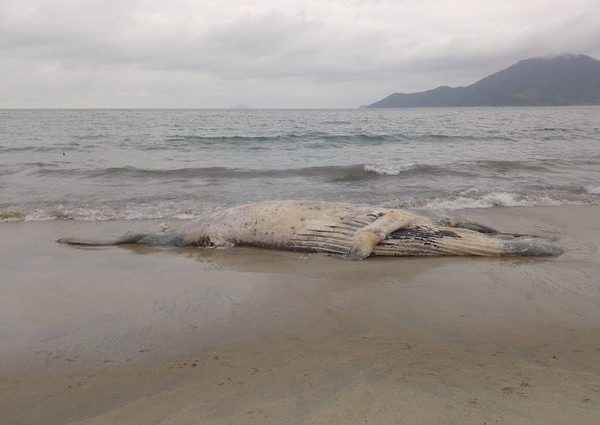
[(158, 335)]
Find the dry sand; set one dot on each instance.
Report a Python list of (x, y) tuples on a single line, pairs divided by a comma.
[(244, 336)]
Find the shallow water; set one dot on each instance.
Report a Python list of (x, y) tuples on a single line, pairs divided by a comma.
[(142, 164)]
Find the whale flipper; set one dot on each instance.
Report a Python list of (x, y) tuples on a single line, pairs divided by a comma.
[(367, 238), (463, 224)]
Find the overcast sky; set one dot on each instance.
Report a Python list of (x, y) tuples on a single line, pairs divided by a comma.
[(270, 53)]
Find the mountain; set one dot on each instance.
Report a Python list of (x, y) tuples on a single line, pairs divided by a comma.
[(559, 81)]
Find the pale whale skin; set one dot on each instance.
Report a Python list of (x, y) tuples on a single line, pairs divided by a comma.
[(352, 231)]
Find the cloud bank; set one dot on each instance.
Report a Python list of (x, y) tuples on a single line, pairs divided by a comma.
[(204, 54)]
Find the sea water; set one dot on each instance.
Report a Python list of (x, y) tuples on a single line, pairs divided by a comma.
[(147, 164)]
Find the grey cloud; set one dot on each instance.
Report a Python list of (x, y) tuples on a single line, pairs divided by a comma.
[(268, 53)]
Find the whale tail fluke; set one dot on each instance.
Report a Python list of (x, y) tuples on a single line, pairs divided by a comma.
[(532, 247), (127, 238)]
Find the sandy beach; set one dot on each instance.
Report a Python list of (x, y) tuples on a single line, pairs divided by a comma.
[(122, 335)]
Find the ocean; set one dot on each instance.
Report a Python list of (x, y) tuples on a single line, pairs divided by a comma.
[(163, 164)]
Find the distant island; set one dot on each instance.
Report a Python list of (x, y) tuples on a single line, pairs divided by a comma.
[(558, 81)]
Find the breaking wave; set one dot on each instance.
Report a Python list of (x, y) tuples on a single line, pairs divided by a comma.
[(592, 190), (474, 199), (189, 209), (328, 172), (181, 210)]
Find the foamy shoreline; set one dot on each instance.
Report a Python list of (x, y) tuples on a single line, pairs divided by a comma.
[(189, 209), (142, 335)]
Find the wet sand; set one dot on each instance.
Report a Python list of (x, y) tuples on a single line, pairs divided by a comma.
[(117, 335)]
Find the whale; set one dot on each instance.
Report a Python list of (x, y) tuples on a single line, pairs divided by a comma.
[(354, 232)]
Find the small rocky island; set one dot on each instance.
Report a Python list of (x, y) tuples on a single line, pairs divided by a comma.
[(559, 81)]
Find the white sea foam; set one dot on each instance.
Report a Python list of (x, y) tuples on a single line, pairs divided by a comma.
[(12, 214), (592, 190), (169, 210), (187, 210), (473, 199), (190, 209), (387, 170)]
